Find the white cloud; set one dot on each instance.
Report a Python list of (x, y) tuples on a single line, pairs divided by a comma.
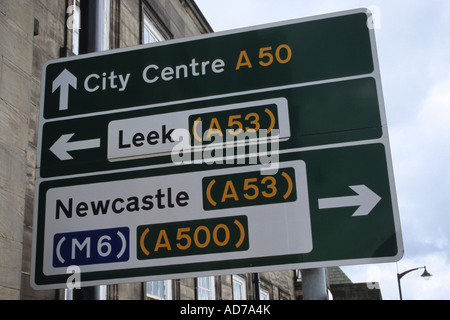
[(421, 145), (434, 117), (421, 165)]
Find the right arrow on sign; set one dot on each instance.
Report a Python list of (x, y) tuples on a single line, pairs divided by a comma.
[(365, 199), (63, 81)]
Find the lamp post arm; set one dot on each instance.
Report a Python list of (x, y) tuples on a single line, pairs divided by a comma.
[(401, 275)]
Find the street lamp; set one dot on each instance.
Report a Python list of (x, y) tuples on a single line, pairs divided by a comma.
[(426, 275)]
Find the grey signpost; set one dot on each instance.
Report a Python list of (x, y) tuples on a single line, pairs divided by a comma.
[(122, 194)]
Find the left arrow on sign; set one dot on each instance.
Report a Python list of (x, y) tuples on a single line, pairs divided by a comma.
[(63, 81), (62, 146), (366, 200)]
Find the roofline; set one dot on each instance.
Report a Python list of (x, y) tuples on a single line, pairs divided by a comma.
[(198, 15)]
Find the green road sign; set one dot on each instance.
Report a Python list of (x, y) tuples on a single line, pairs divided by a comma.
[(142, 176)]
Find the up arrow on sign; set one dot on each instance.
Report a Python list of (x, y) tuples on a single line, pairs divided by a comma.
[(366, 200), (63, 81)]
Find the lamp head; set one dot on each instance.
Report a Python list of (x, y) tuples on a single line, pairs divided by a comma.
[(426, 275)]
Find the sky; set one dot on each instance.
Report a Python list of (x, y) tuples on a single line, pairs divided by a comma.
[(413, 41)]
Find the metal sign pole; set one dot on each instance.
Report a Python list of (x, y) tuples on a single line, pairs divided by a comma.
[(314, 284), (256, 282)]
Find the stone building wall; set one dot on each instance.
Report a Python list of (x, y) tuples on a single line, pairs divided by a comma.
[(17, 132)]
